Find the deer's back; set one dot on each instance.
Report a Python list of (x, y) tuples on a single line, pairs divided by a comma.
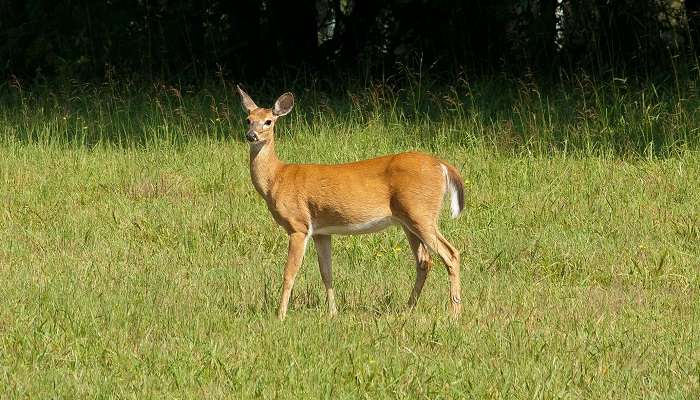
[(362, 193)]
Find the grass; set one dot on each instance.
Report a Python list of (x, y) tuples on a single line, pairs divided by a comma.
[(578, 115), (137, 261)]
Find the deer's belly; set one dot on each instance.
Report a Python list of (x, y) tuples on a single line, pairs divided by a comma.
[(353, 229)]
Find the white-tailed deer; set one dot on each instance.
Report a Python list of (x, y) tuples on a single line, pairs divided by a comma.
[(316, 201)]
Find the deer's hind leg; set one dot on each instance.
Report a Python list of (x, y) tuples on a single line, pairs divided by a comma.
[(423, 265), (431, 237)]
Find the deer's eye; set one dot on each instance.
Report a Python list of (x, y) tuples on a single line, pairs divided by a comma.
[(247, 121), (268, 122)]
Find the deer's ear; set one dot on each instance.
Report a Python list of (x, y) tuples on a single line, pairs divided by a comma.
[(283, 105), (247, 103)]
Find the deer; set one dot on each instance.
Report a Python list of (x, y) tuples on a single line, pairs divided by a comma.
[(315, 201)]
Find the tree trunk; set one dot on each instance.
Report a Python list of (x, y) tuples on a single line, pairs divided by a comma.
[(692, 10)]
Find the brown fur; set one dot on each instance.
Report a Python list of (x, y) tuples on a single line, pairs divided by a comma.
[(305, 199)]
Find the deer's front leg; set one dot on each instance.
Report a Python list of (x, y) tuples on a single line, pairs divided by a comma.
[(323, 248), (295, 254)]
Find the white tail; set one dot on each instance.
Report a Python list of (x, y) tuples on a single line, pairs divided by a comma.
[(455, 187), (315, 201)]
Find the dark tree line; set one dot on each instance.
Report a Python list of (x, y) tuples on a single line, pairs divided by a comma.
[(195, 39)]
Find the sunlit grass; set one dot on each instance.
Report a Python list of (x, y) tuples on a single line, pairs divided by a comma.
[(140, 262)]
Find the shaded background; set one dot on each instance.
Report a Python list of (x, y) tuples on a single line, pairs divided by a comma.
[(193, 40)]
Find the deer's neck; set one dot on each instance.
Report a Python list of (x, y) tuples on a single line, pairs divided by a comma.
[(264, 166)]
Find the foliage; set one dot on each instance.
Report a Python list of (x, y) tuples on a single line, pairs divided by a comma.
[(250, 40)]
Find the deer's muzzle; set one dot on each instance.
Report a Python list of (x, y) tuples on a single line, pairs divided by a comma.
[(251, 136)]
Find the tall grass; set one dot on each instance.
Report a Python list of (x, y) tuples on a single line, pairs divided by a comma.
[(578, 114)]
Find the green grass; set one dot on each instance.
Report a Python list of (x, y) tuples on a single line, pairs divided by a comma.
[(578, 115), (139, 262)]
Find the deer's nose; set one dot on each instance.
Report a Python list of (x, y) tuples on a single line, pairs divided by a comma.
[(251, 136)]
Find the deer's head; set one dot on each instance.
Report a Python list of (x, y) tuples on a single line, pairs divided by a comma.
[(261, 121)]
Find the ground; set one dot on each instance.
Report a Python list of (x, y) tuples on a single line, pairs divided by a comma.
[(154, 271)]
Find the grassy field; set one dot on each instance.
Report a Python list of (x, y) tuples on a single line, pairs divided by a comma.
[(145, 265)]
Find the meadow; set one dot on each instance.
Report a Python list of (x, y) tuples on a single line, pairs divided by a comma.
[(137, 260)]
